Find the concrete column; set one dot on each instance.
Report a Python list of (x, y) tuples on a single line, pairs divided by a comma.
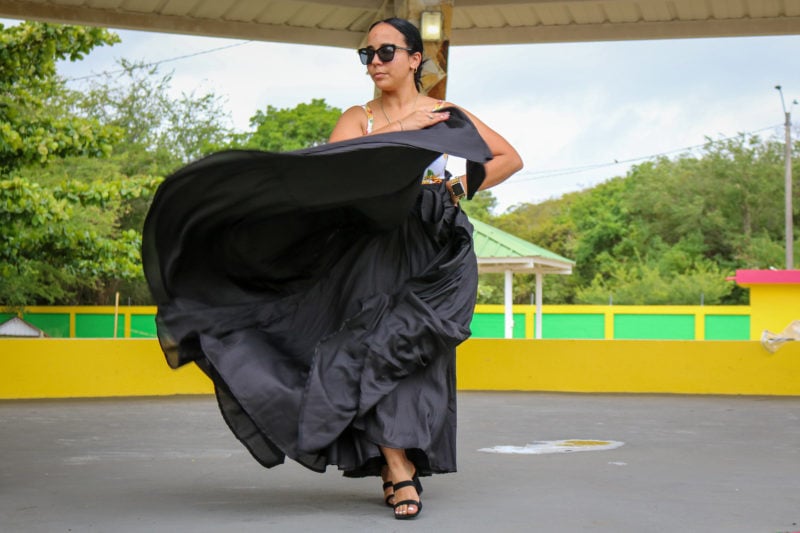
[(539, 284), (508, 297)]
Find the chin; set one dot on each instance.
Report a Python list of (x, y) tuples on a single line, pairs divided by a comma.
[(384, 84)]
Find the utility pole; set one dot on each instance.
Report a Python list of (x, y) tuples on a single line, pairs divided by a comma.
[(789, 223)]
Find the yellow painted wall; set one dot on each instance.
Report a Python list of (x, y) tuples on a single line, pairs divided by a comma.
[(60, 368), (773, 307), (629, 366), (64, 368)]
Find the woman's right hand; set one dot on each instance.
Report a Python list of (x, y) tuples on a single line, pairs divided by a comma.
[(422, 118)]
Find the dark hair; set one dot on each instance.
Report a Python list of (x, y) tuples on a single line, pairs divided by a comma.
[(413, 41)]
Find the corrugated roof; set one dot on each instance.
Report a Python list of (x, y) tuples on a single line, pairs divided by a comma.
[(344, 22), (498, 251)]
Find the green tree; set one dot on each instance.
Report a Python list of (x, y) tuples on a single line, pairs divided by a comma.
[(670, 231), (61, 244), (63, 208), (282, 130), (161, 132), (643, 284), (35, 123), (481, 206)]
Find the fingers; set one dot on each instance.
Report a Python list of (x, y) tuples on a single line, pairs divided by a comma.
[(424, 119)]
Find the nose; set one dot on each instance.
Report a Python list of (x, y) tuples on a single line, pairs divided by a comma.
[(375, 57)]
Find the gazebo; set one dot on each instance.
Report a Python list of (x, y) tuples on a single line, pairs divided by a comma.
[(501, 252)]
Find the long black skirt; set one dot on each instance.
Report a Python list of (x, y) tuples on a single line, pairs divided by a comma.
[(324, 292)]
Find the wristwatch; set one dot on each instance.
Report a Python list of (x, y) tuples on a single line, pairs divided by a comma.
[(457, 188)]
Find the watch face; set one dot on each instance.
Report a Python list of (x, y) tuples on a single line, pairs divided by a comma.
[(458, 189)]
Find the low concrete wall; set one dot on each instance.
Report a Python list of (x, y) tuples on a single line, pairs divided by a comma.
[(630, 366), (75, 368), (62, 368)]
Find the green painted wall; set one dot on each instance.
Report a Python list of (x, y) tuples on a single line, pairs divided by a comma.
[(569, 326), (53, 324), (143, 326), (492, 326), (654, 327), (98, 326), (484, 325), (727, 328)]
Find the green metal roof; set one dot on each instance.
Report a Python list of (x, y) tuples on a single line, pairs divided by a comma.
[(496, 247)]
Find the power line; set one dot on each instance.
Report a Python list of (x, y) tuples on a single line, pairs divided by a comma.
[(156, 63), (554, 173), (535, 174)]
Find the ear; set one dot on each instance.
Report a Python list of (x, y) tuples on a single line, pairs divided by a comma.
[(415, 60)]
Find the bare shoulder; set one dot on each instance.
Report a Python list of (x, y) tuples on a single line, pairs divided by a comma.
[(352, 123), (355, 112)]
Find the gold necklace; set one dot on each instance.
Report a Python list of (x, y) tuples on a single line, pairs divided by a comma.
[(388, 120)]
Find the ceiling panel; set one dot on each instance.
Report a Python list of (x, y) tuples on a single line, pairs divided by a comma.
[(344, 22)]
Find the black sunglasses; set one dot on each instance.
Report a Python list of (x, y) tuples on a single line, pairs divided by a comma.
[(385, 53)]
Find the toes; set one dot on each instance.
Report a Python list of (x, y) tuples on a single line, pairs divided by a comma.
[(406, 510)]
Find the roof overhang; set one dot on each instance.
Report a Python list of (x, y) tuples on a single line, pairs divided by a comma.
[(343, 23), (522, 265)]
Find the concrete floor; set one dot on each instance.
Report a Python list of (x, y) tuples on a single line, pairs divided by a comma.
[(688, 464)]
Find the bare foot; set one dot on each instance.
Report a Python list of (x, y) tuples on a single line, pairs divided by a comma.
[(400, 470)]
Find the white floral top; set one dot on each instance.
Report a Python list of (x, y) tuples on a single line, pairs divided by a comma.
[(435, 173)]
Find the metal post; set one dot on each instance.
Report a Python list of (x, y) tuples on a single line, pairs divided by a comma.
[(789, 223), (538, 326), (508, 293)]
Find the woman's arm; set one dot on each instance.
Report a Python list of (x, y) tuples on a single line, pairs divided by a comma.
[(352, 124), (506, 161)]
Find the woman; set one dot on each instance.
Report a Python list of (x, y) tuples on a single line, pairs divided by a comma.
[(324, 291), (393, 56)]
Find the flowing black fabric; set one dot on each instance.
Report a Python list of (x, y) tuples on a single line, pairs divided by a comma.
[(324, 292)]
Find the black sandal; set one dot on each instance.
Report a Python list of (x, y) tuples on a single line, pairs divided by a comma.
[(386, 485), (417, 503), (417, 483)]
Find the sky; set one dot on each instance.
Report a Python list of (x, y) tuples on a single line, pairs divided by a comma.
[(578, 113)]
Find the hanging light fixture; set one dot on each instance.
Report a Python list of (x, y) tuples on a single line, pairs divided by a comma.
[(431, 25)]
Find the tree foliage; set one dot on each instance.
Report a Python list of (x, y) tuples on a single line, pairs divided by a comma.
[(669, 232), (78, 167), (481, 206), (35, 123), (283, 130), (161, 131), (62, 244)]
